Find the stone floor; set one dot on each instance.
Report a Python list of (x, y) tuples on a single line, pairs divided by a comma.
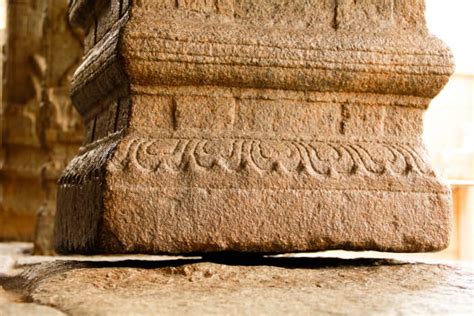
[(150, 285)]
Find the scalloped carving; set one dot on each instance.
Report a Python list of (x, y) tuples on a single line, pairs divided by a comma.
[(316, 157)]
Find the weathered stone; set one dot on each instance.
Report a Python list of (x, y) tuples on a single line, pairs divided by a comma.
[(254, 126), (12, 305), (62, 129), (276, 286), (22, 155), (233, 284)]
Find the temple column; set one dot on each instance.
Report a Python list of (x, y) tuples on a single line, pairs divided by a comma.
[(254, 126), (41, 131), (23, 157), (62, 129)]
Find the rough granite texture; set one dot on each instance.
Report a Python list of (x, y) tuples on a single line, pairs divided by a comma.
[(254, 126), (13, 305), (237, 286), (229, 285)]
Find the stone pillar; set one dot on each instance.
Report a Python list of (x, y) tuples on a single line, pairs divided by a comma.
[(41, 131), (61, 129), (23, 157), (254, 126)]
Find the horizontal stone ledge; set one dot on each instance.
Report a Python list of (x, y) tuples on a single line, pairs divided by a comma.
[(226, 55), (243, 284), (282, 95)]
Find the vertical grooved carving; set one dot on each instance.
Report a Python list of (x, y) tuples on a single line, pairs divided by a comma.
[(174, 119), (94, 120), (345, 116), (117, 115)]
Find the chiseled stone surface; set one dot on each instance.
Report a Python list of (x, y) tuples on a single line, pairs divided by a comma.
[(12, 305), (271, 286), (254, 126), (230, 285)]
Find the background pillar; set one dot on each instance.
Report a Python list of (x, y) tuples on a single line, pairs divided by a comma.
[(41, 130)]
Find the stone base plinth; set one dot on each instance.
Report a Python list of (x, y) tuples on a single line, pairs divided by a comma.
[(147, 285), (254, 126), (183, 194)]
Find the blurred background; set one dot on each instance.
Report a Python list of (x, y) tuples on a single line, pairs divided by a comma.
[(449, 122), (448, 133)]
